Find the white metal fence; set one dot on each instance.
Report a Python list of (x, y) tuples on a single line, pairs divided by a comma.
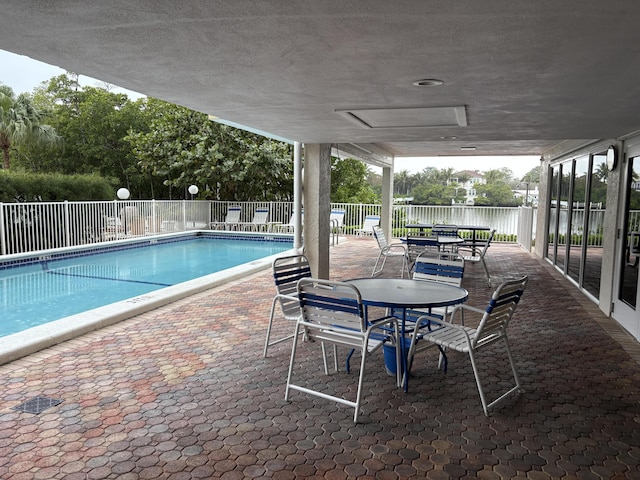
[(28, 227)]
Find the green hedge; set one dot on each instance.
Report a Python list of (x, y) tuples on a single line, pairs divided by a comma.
[(54, 187)]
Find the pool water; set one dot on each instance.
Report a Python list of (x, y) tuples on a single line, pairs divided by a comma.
[(54, 288)]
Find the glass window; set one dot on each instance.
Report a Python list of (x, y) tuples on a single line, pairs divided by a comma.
[(578, 215), (629, 268), (595, 224), (563, 214), (553, 213)]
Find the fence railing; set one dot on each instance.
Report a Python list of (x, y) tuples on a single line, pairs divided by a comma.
[(28, 227)]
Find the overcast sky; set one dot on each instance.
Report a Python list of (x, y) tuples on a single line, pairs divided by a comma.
[(23, 74)]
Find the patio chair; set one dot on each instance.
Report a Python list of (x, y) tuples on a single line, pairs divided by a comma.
[(417, 245), (367, 227), (286, 273), (231, 221), (476, 254), (491, 329), (259, 222), (445, 268), (333, 313), (439, 267), (444, 230), (389, 250)]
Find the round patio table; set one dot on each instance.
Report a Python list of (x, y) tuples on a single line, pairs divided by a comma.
[(403, 294)]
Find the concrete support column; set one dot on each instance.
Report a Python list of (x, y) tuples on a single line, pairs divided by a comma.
[(317, 206), (386, 215)]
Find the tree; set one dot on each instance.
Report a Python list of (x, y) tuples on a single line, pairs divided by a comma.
[(532, 176), (21, 123), (434, 194), (348, 182), (495, 194), (184, 147), (503, 174)]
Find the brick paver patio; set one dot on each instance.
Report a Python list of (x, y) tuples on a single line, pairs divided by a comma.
[(183, 392)]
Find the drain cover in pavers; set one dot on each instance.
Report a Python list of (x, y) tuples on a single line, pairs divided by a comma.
[(37, 405)]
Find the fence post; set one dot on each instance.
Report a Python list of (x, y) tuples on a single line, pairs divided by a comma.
[(184, 215), (3, 238), (67, 225)]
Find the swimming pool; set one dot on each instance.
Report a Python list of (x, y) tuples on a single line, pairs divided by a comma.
[(58, 295)]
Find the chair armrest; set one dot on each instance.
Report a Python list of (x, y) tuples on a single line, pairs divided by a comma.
[(281, 297), (395, 246), (443, 323), (461, 308)]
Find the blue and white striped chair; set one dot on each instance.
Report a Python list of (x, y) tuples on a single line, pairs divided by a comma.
[(333, 314), (491, 329)]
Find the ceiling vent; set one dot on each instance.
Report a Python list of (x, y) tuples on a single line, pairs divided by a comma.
[(419, 117)]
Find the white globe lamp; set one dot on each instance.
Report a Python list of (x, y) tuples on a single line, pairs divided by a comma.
[(123, 193)]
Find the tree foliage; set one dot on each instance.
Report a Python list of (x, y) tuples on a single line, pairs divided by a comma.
[(22, 123), (348, 182), (433, 186), (184, 147)]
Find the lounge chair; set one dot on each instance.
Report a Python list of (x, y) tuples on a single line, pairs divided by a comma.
[(259, 222), (369, 222), (337, 220), (231, 221), (285, 227)]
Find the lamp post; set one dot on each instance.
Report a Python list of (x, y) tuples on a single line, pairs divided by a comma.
[(193, 190), (123, 194)]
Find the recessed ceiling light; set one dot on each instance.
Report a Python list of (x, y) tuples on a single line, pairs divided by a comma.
[(467, 148), (451, 137), (428, 82)]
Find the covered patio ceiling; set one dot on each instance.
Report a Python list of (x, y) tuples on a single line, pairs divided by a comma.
[(518, 77)]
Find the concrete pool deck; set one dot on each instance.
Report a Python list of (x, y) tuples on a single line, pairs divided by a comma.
[(183, 392)]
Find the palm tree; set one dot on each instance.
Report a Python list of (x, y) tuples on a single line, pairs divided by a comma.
[(21, 122)]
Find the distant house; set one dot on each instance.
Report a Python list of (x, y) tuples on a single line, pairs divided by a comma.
[(532, 199), (468, 179)]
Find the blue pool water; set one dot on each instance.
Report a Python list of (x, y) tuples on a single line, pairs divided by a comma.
[(54, 286)]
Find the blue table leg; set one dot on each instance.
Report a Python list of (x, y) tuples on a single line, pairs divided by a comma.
[(403, 355)]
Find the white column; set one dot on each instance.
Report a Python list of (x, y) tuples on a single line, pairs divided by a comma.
[(386, 215), (297, 195)]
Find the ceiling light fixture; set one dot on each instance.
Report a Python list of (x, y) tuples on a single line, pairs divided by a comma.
[(451, 137), (467, 148), (428, 82)]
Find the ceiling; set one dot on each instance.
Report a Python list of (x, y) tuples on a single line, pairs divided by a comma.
[(520, 77)]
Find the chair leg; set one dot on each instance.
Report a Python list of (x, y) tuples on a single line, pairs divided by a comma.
[(293, 356), (266, 343), (375, 267), (513, 365), (486, 271), (476, 373), (360, 382), (517, 388)]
